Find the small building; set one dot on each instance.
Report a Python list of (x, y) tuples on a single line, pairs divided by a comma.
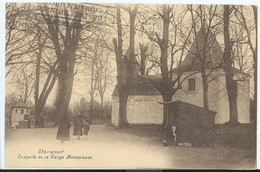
[(192, 87), (143, 107), (20, 116), (192, 124)]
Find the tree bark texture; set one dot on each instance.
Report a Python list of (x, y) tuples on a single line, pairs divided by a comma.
[(231, 84)]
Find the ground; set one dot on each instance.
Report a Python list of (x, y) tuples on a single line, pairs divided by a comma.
[(134, 147)]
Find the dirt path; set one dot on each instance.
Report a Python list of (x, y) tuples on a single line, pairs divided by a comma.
[(108, 147)]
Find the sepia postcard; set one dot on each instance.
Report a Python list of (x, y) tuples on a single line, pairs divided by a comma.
[(130, 85)]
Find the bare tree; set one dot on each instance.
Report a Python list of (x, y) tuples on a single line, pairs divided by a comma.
[(65, 41), (26, 35), (125, 63), (231, 84), (170, 83), (251, 41), (18, 41), (25, 84), (94, 75), (143, 58), (50, 71), (104, 75), (204, 41)]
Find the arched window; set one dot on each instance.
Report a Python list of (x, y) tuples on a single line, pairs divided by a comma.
[(22, 111)]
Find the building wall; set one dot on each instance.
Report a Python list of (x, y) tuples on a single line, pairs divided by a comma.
[(146, 110), (222, 115), (196, 97), (115, 110), (17, 115), (140, 110), (243, 102), (217, 96)]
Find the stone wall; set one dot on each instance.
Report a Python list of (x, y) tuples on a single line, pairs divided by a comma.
[(146, 110), (140, 110)]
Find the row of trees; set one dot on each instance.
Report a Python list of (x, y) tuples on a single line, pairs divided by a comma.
[(173, 39), (49, 43), (54, 41)]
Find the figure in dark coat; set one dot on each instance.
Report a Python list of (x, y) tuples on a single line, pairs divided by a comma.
[(86, 128), (78, 125), (63, 130)]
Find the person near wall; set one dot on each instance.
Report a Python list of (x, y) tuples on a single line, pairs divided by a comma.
[(78, 125), (63, 133), (169, 136)]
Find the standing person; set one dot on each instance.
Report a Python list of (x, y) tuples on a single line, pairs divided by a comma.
[(29, 120), (43, 121), (63, 133), (78, 125), (86, 128), (168, 136)]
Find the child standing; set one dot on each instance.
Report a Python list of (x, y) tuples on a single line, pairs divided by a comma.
[(86, 128), (78, 125)]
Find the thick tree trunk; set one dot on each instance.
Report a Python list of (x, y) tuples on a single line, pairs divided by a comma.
[(232, 98), (166, 98), (102, 106), (26, 92), (65, 49), (91, 108), (205, 89), (123, 97), (143, 51), (121, 71), (92, 88), (164, 47), (65, 90), (36, 93), (125, 67), (65, 84), (166, 81), (231, 84)]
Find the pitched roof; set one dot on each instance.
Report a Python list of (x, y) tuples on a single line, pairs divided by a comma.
[(21, 105), (214, 52), (189, 104), (193, 68), (141, 86)]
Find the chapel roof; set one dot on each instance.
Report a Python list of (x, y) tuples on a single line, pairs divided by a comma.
[(214, 53), (142, 86), (201, 45)]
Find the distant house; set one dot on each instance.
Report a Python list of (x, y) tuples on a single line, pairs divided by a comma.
[(20, 115), (143, 107)]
